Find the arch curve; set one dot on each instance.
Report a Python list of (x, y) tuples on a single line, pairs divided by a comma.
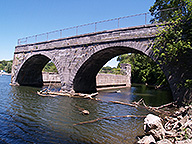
[(85, 78), (30, 71)]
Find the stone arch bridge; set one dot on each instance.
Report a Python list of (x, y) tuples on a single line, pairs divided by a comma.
[(79, 58)]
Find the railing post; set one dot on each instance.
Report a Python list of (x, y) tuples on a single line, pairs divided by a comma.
[(35, 38), (77, 30), (95, 26), (18, 42), (60, 33), (145, 18), (47, 36), (118, 22)]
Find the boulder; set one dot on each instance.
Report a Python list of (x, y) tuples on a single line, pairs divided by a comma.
[(147, 140), (153, 126)]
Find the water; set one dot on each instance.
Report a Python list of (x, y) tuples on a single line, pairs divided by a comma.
[(26, 117)]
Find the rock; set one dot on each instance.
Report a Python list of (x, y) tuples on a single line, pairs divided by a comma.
[(151, 122), (182, 109), (158, 134), (85, 112), (153, 126), (164, 141), (183, 121), (189, 112), (189, 124), (188, 141), (147, 140), (177, 127), (188, 132), (179, 117)]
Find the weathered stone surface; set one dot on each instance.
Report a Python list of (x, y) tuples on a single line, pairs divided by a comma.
[(147, 140), (102, 79), (153, 126)]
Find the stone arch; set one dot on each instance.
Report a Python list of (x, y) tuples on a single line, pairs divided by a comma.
[(85, 78), (30, 71)]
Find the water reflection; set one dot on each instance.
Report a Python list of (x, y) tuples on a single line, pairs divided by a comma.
[(26, 117)]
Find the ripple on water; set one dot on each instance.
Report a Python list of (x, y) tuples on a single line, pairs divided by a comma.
[(26, 117)]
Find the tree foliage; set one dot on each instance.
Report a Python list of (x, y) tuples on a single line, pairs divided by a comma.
[(50, 67), (110, 70), (6, 65), (175, 40), (164, 10), (143, 69)]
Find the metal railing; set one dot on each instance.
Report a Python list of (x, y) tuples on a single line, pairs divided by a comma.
[(119, 22)]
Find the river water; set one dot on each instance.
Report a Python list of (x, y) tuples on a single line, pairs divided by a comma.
[(26, 117)]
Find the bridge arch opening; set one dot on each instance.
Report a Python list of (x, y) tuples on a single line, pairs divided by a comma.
[(85, 78), (30, 73)]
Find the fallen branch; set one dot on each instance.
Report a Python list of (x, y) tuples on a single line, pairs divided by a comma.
[(118, 102), (109, 117), (46, 95), (155, 110), (165, 105)]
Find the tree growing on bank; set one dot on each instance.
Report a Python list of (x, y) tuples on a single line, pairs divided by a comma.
[(143, 69), (173, 44)]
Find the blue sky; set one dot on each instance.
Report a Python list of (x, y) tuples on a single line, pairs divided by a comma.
[(21, 18)]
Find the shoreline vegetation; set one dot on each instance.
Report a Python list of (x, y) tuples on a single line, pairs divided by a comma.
[(6, 66)]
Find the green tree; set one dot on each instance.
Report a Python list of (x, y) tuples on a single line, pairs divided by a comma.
[(106, 69), (176, 38), (1, 67), (8, 67), (164, 10), (50, 67), (143, 69), (173, 44)]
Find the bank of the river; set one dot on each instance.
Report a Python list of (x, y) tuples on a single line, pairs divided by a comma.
[(26, 117), (171, 127)]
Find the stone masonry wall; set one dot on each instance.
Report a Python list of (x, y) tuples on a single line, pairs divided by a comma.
[(101, 79)]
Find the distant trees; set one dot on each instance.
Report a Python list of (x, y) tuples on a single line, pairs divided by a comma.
[(110, 70), (50, 67), (6, 65)]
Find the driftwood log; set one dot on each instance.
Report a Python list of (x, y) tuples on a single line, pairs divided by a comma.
[(47, 92), (109, 117), (118, 102)]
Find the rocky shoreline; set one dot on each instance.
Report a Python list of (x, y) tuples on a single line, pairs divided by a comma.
[(167, 129)]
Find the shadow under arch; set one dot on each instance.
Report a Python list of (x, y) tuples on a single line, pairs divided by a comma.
[(85, 78), (30, 73)]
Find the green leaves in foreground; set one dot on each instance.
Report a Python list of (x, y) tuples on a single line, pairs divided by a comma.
[(176, 38)]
